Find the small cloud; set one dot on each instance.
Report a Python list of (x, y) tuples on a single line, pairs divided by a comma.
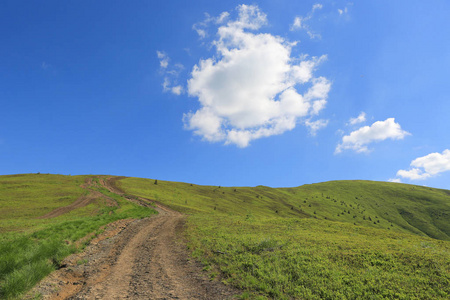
[(166, 84), (202, 27), (170, 74), (359, 140), (342, 11), (201, 32), (427, 166), (317, 6), (359, 119), (301, 23), (167, 87), (177, 90), (163, 59), (397, 180), (297, 23), (316, 126)]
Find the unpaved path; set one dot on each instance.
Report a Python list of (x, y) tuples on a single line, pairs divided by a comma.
[(135, 259), (82, 201)]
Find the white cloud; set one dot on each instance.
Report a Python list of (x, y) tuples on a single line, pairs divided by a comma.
[(168, 87), (301, 23), (427, 166), (358, 140), (163, 59), (316, 126), (202, 27), (170, 74), (397, 180), (317, 6), (248, 90), (413, 174), (297, 24), (177, 90), (359, 119), (342, 11)]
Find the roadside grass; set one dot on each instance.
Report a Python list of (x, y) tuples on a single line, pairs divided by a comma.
[(32, 248), (333, 240), (291, 258)]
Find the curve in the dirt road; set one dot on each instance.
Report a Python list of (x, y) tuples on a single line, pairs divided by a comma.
[(82, 201)]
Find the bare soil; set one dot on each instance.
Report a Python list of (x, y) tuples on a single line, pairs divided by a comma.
[(82, 201), (134, 259)]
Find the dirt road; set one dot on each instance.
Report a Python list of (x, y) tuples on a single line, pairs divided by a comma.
[(134, 259)]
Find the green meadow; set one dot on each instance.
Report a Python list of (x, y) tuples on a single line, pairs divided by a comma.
[(30, 247), (332, 240)]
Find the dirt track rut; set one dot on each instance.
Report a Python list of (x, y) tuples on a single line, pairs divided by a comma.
[(140, 259)]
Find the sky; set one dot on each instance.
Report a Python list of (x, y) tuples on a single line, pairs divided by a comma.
[(277, 93)]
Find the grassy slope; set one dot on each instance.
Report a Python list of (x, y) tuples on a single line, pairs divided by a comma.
[(334, 240), (25, 197), (30, 248), (416, 209), (408, 208)]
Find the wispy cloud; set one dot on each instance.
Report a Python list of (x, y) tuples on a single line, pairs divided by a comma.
[(202, 27), (359, 119), (315, 126), (168, 87), (170, 74), (427, 166), (248, 90), (301, 23), (163, 59), (359, 140), (342, 11)]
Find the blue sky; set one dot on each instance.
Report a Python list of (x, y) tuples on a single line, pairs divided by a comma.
[(277, 93)]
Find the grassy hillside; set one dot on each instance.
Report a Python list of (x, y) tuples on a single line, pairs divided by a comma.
[(32, 246), (400, 207), (333, 240), (25, 197), (416, 209)]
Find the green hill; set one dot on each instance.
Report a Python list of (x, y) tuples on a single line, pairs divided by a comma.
[(405, 208), (331, 240)]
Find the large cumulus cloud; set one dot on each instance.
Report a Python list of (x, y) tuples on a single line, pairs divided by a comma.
[(250, 88)]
